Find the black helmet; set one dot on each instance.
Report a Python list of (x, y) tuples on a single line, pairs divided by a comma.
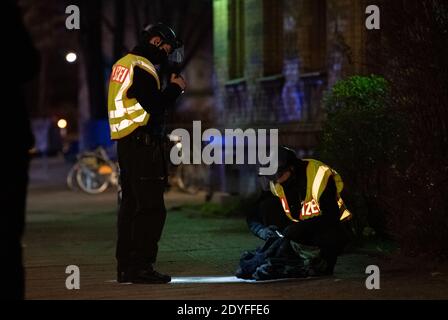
[(286, 158), (166, 33)]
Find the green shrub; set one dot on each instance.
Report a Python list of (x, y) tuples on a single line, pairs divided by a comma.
[(361, 139)]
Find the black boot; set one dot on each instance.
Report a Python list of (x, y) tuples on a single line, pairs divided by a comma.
[(122, 275), (147, 276)]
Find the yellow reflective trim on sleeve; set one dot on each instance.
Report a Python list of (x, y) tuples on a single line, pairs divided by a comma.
[(277, 189), (338, 181), (320, 182), (346, 215)]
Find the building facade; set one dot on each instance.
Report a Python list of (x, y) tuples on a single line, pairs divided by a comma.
[(274, 59)]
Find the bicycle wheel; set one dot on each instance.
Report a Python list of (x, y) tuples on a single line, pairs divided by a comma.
[(90, 181), (72, 184)]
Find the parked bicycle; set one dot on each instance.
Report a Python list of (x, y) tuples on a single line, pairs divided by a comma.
[(93, 172), (187, 177)]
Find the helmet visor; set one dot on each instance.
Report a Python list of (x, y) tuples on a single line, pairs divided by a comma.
[(177, 55)]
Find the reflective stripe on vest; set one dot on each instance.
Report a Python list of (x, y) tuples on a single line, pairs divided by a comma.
[(277, 190), (319, 173), (126, 114)]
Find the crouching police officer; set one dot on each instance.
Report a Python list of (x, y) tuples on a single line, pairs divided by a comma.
[(301, 220), (309, 194), (137, 106), (266, 220)]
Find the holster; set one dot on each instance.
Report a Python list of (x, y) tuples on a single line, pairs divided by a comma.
[(148, 139), (158, 145)]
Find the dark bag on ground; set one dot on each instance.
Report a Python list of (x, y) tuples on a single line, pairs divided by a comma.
[(280, 258)]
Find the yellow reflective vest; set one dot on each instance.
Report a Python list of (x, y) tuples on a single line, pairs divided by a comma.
[(126, 114), (317, 174)]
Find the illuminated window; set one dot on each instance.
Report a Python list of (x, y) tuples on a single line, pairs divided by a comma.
[(272, 37), (313, 35), (318, 39), (236, 39)]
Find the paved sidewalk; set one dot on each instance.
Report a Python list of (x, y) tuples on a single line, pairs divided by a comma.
[(72, 228)]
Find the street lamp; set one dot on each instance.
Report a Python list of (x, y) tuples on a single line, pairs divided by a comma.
[(62, 123), (71, 57)]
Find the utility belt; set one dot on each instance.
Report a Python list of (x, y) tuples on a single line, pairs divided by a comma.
[(148, 139), (156, 145)]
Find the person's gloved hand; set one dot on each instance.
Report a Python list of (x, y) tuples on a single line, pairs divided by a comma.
[(177, 79), (268, 232)]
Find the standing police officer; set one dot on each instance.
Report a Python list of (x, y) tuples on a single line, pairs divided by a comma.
[(137, 107)]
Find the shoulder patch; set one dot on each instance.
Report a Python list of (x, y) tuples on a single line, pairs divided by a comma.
[(119, 73)]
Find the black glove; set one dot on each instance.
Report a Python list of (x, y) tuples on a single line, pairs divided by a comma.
[(268, 232)]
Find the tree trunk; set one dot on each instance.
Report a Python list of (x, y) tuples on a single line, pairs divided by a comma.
[(92, 52)]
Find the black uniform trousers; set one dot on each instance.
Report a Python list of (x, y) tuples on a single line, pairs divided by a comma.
[(331, 238), (142, 212), (13, 224)]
